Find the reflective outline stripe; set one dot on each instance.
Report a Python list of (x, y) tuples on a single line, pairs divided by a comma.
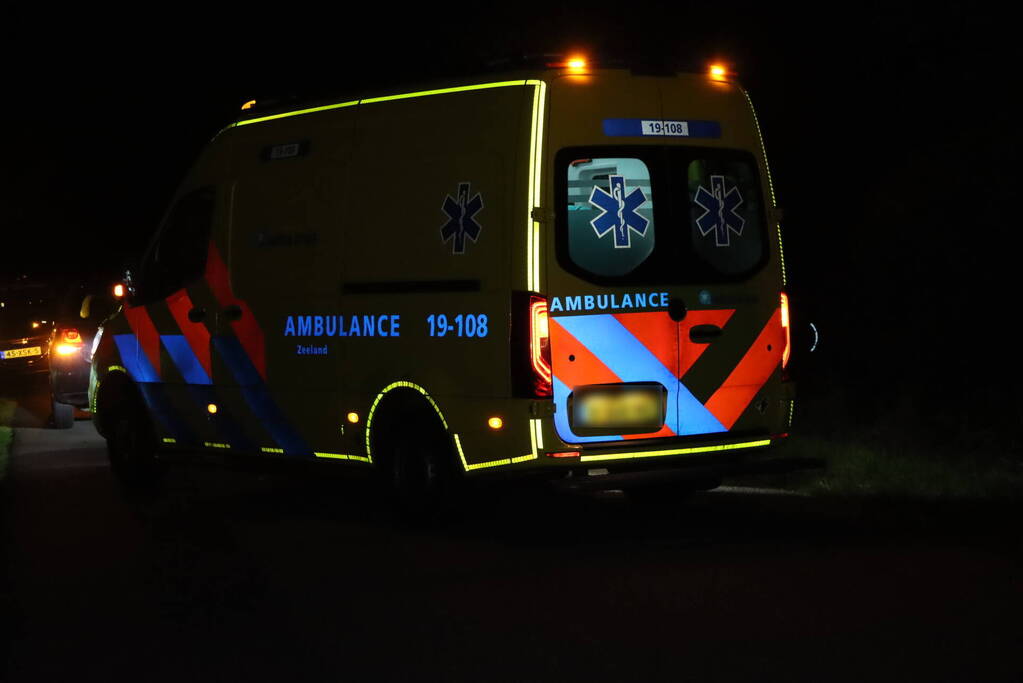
[(270, 449), (535, 186), (535, 151), (677, 451), (341, 456), (390, 387), (770, 183), (216, 444), (168, 439)]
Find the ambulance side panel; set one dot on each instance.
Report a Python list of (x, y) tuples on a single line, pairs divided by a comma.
[(420, 166)]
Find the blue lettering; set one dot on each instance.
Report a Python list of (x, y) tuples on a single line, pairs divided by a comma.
[(573, 303), (353, 327), (289, 327), (664, 299), (602, 304), (555, 304), (331, 325), (640, 300), (317, 325), (626, 301), (369, 326), (305, 325), (588, 302), (395, 323)]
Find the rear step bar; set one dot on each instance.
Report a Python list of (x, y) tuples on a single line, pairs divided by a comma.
[(599, 478)]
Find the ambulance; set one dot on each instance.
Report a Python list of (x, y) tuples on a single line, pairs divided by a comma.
[(571, 272)]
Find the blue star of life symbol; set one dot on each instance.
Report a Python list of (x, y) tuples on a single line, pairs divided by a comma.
[(719, 205), (618, 212), (461, 222)]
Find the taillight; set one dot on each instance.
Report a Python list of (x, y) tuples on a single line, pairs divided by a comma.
[(71, 336), (540, 346), (785, 326)]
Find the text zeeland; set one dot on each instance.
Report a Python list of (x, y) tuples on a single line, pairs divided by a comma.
[(387, 325)]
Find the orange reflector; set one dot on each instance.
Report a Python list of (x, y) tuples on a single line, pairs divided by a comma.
[(249, 105), (353, 417), (118, 291), (717, 72), (564, 454), (495, 422), (785, 326), (211, 408)]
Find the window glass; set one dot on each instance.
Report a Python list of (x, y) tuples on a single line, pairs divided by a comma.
[(610, 214), (179, 255), (709, 214), (724, 212)]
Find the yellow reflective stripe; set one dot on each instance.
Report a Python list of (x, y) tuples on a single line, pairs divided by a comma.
[(386, 98), (492, 463), (167, 439), (524, 458), (271, 449), (117, 368), (535, 186), (299, 112), (770, 182), (461, 453), (360, 458), (335, 456), (379, 397), (677, 451), (444, 91), (215, 444), (538, 429)]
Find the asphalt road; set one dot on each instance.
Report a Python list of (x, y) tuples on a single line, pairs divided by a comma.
[(245, 576)]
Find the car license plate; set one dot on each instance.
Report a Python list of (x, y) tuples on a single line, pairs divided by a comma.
[(624, 408), (21, 353)]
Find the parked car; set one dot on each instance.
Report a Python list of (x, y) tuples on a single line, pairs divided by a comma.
[(44, 343)]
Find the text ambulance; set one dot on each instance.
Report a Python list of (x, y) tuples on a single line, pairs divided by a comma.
[(570, 272)]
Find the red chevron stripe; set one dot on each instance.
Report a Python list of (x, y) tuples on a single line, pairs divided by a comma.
[(657, 332), (245, 328), (197, 335), (733, 397), (145, 331)]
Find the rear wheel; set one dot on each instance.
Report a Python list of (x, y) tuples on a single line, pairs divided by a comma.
[(415, 459), (131, 446), (62, 415)]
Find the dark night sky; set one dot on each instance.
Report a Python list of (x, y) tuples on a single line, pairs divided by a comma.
[(887, 128)]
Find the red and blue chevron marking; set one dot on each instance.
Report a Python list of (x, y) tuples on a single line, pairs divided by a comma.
[(625, 359)]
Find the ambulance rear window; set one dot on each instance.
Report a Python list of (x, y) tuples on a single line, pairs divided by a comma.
[(659, 215)]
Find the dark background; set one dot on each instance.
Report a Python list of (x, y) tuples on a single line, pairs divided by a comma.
[(889, 130)]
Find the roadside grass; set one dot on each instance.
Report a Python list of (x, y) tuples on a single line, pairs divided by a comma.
[(864, 468), (6, 434)]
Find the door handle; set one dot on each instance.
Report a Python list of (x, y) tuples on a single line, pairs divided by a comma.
[(232, 312), (704, 334), (197, 314), (677, 309)]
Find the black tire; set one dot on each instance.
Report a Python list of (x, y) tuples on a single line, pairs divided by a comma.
[(131, 447), (414, 456), (62, 415)]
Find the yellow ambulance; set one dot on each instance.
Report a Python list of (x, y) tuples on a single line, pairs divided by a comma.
[(572, 272)]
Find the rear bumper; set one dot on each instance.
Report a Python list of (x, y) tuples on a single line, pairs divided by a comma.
[(70, 383), (696, 472)]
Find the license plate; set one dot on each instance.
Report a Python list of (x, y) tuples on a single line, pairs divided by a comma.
[(21, 353), (628, 409)]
